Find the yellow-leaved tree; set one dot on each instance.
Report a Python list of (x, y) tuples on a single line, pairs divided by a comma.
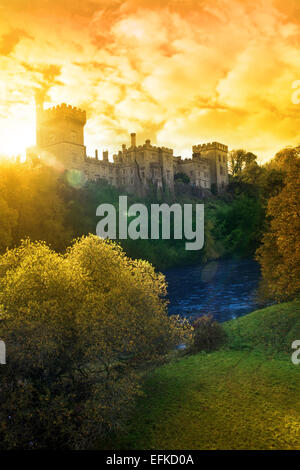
[(79, 329), (279, 254), (8, 222), (32, 206)]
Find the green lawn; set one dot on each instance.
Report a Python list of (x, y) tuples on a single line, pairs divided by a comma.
[(245, 396)]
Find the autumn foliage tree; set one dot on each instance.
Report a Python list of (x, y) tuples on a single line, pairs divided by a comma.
[(31, 206), (79, 329), (279, 254)]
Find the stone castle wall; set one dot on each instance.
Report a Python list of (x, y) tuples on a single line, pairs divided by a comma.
[(137, 168)]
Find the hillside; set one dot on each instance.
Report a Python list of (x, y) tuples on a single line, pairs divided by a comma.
[(245, 396)]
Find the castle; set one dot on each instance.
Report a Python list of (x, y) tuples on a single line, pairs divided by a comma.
[(137, 168)]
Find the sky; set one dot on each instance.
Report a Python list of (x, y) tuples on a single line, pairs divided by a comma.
[(179, 72)]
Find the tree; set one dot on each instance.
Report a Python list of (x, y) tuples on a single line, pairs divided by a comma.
[(31, 195), (284, 158), (279, 254), (79, 329), (238, 225), (239, 159), (8, 222)]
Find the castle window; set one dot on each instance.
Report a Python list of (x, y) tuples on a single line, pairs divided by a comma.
[(224, 159), (219, 158)]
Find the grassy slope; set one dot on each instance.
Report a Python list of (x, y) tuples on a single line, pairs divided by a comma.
[(244, 396)]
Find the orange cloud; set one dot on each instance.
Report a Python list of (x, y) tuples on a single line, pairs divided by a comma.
[(9, 40), (179, 72)]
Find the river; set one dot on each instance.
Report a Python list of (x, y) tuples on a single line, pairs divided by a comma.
[(227, 289)]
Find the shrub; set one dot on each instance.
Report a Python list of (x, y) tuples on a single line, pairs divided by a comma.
[(183, 177), (208, 334), (79, 328)]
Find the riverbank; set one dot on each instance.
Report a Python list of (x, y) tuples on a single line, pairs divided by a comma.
[(244, 396)]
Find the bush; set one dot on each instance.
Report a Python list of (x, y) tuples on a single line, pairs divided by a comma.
[(208, 334), (183, 177), (79, 328)]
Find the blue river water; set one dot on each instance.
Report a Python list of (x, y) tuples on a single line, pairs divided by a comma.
[(226, 289)]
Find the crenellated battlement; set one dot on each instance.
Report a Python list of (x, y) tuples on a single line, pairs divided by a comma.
[(185, 160), (148, 146), (167, 150), (209, 146), (64, 111)]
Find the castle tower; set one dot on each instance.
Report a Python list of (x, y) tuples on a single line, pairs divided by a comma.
[(217, 155), (60, 134)]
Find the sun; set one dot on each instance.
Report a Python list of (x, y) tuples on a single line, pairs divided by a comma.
[(19, 131)]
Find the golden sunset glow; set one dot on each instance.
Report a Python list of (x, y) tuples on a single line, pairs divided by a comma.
[(179, 72)]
